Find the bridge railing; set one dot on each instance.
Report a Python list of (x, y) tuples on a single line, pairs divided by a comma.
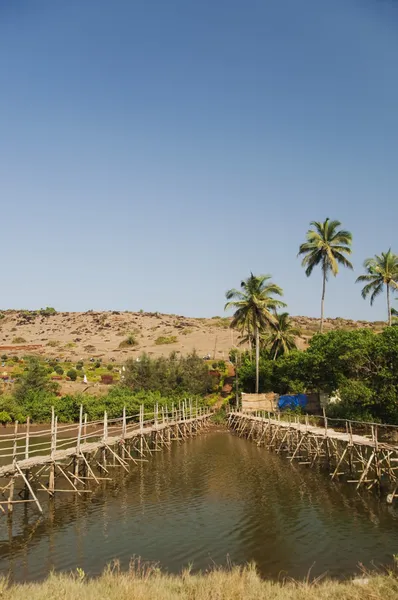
[(26, 441), (375, 432)]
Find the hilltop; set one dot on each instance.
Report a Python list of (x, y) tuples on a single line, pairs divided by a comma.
[(116, 336)]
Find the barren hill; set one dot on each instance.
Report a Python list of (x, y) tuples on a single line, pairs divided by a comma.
[(120, 335)]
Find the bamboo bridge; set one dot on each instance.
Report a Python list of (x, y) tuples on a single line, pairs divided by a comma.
[(67, 458), (360, 453)]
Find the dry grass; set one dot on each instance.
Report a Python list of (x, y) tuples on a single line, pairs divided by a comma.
[(143, 583)]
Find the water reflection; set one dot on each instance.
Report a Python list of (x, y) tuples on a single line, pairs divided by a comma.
[(200, 502)]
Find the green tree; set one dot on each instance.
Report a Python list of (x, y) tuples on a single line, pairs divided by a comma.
[(380, 271), (255, 308), (326, 246), (281, 338), (34, 379)]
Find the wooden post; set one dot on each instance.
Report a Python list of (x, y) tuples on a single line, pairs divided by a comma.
[(79, 433), (85, 425), (26, 493), (124, 424), (52, 431), (325, 420), (11, 494), (105, 434), (29, 487), (15, 446), (27, 438)]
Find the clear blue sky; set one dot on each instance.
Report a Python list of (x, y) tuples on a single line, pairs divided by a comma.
[(153, 153)]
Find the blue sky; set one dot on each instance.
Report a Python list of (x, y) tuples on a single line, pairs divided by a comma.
[(153, 153)]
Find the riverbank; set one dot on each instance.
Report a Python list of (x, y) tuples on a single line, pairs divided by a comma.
[(235, 584)]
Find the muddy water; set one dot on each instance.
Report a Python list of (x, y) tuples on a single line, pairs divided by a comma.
[(214, 499)]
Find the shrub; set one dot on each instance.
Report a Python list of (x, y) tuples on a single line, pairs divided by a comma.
[(2, 316), (107, 379), (49, 370), (48, 311), (59, 370), (109, 367), (19, 340), (171, 339), (79, 365), (53, 343), (72, 374), (97, 364), (5, 417), (15, 359), (4, 357), (129, 341)]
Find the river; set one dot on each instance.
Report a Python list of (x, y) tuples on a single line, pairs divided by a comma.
[(215, 499)]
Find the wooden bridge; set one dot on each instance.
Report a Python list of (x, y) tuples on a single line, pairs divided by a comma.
[(361, 453), (67, 458)]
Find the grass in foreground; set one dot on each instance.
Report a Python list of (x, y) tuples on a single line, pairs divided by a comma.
[(142, 583)]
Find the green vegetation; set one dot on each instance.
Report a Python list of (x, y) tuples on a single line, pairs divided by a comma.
[(326, 246), (380, 271), (129, 341), (149, 381), (72, 374), (19, 340), (171, 339), (361, 364), (255, 308), (179, 375), (281, 338), (49, 311), (145, 582)]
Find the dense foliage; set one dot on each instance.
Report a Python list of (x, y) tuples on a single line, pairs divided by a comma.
[(361, 365), (169, 375), (148, 381)]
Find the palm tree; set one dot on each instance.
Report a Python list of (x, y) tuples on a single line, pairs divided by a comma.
[(326, 246), (380, 271), (254, 306), (281, 338)]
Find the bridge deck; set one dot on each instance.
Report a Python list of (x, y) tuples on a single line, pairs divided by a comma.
[(132, 431), (323, 432)]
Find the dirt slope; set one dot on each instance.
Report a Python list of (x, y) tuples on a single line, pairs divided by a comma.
[(77, 336)]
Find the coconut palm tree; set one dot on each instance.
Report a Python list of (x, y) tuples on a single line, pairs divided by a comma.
[(380, 271), (255, 308), (281, 338), (326, 246)]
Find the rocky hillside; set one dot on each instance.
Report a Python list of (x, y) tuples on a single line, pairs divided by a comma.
[(117, 335)]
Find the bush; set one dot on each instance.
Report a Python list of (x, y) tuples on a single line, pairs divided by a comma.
[(171, 339), (97, 364), (4, 357), (19, 340), (15, 359), (172, 375), (48, 311), (53, 343), (129, 341), (5, 417), (59, 370), (79, 365), (109, 367), (72, 374)]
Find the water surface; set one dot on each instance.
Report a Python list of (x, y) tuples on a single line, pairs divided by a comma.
[(213, 499)]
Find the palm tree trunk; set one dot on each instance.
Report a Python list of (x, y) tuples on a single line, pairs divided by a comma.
[(388, 305), (257, 358), (323, 299)]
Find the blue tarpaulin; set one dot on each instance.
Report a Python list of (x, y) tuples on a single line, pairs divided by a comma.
[(298, 400)]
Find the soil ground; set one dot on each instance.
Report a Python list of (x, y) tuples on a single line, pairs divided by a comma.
[(75, 336)]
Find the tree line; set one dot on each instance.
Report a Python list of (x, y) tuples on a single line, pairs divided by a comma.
[(327, 246)]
